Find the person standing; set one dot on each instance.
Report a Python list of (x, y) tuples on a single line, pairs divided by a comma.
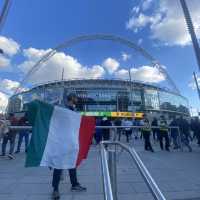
[(118, 122), (98, 131), (106, 131), (163, 133), (146, 132), (75, 185), (196, 129), (184, 127), (155, 130), (10, 136), (128, 130), (136, 130), (174, 132), (23, 134)]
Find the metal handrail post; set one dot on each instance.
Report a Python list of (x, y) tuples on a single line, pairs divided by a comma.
[(157, 194), (112, 166)]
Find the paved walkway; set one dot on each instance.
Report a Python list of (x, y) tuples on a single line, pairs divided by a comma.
[(177, 174)]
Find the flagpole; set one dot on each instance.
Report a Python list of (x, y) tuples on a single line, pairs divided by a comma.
[(191, 30)]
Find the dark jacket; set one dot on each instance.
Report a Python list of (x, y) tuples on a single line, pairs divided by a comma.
[(154, 122), (106, 132), (174, 131), (184, 127)]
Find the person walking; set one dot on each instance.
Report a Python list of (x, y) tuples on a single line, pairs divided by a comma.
[(163, 133), (10, 136), (23, 134), (146, 131), (75, 185), (184, 127)]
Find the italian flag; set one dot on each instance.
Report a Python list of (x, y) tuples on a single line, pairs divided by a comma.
[(61, 138)]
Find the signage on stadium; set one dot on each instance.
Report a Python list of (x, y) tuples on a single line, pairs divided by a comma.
[(114, 114)]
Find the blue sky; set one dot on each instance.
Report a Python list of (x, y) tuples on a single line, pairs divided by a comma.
[(158, 27)]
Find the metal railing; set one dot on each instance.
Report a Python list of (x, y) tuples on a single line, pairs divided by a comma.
[(109, 165), (140, 127), (115, 132), (111, 185), (108, 193)]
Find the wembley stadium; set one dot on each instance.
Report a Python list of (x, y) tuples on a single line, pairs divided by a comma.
[(104, 96), (111, 98)]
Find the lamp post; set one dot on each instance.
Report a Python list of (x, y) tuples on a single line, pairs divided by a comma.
[(197, 84), (191, 30), (4, 12)]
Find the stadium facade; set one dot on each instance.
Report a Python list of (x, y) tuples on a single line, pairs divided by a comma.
[(112, 98)]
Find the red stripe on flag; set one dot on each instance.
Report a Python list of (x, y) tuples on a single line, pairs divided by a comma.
[(86, 133)]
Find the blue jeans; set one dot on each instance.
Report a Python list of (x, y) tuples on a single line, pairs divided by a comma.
[(23, 134), (11, 139)]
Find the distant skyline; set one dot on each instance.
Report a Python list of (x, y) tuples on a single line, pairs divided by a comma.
[(34, 27)]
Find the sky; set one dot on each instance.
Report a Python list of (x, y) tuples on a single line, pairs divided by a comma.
[(33, 28)]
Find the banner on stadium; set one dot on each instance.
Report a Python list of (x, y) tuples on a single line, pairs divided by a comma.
[(114, 114)]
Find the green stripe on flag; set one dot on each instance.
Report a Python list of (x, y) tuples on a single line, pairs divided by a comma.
[(39, 114)]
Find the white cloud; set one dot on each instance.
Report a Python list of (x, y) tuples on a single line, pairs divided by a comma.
[(135, 10), (145, 74), (138, 22), (8, 86), (147, 4), (125, 56), (111, 65), (167, 23), (4, 62), (9, 46), (140, 41), (52, 69), (3, 102), (192, 83)]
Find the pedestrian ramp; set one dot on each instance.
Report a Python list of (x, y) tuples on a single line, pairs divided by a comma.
[(176, 174)]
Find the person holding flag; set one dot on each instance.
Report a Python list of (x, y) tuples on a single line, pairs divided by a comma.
[(61, 140)]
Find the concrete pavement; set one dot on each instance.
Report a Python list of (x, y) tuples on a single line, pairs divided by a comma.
[(176, 173)]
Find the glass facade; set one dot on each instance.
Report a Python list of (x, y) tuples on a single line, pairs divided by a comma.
[(173, 102), (151, 99), (105, 99)]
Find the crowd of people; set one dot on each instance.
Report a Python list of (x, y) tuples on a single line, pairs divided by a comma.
[(163, 131), (168, 133), (10, 135)]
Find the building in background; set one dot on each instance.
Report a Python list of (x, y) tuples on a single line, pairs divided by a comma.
[(110, 98)]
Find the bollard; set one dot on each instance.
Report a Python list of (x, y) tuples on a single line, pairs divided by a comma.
[(112, 165)]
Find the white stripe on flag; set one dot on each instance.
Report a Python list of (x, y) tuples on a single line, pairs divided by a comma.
[(62, 147)]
